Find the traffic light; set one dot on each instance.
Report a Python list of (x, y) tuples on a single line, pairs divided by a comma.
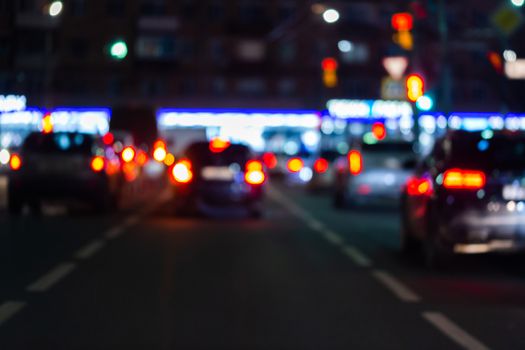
[(118, 50), (403, 23), (415, 87), (329, 66), (379, 131)]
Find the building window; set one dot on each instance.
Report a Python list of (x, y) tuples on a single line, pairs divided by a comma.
[(251, 50), (219, 86), (251, 87), (217, 52), (116, 8), (286, 52), (153, 7), (78, 7), (79, 47), (286, 87)]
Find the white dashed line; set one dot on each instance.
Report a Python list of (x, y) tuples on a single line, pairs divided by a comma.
[(9, 309), (357, 256), (51, 278), (332, 237), (114, 232), (397, 287), (89, 249), (453, 331)]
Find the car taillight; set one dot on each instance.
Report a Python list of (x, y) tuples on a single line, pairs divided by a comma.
[(217, 145), (355, 162), (270, 160), (15, 163), (128, 154), (419, 187), (181, 172), (321, 165), (295, 165), (98, 164), (464, 179), (254, 173)]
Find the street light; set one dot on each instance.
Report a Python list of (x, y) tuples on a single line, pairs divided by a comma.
[(118, 50), (331, 16), (518, 3), (55, 8)]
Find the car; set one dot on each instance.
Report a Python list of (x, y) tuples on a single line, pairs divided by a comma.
[(467, 196), (324, 170), (373, 173), (63, 166), (216, 175)]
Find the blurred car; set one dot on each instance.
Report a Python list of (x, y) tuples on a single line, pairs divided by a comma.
[(324, 171), (467, 196), (373, 173), (59, 166), (216, 175)]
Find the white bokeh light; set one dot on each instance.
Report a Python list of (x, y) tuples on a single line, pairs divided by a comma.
[(55, 8), (331, 16)]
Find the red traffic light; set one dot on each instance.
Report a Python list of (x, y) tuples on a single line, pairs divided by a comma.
[(415, 87), (402, 21), (379, 131), (329, 63)]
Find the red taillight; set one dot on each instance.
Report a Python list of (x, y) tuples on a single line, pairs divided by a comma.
[(181, 172), (270, 160), (419, 187), (464, 179), (98, 164), (254, 173), (218, 145), (355, 162), (295, 165), (108, 139), (321, 165), (15, 163)]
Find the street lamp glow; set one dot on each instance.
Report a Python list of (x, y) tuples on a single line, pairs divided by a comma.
[(331, 16), (55, 8), (119, 50), (510, 55), (345, 46), (425, 103), (518, 3)]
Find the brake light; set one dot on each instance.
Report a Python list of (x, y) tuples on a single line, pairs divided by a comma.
[(270, 160), (169, 160), (181, 172), (97, 164), (47, 124), (218, 145), (15, 162), (419, 187), (464, 179), (108, 139), (128, 154), (295, 165), (321, 165), (254, 173), (355, 162), (159, 154)]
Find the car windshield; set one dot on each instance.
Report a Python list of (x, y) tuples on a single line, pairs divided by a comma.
[(58, 143), (201, 155)]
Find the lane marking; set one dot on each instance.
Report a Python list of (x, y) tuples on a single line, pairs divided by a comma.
[(51, 278), (332, 237), (397, 287), (315, 225), (453, 331), (114, 232), (9, 309), (357, 256), (90, 249)]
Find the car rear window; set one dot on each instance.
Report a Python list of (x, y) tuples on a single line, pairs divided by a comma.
[(200, 155), (58, 143), (389, 147), (504, 152)]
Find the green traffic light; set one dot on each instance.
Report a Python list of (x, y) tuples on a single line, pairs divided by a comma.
[(118, 50)]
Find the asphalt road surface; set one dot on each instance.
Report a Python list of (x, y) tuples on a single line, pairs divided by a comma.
[(305, 276)]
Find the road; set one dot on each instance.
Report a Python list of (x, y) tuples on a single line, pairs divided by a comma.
[(303, 277)]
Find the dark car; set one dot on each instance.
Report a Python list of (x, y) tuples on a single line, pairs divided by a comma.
[(467, 197), (216, 175), (63, 166), (374, 173)]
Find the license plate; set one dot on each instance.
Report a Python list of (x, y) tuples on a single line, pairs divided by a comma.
[(217, 173), (513, 193)]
